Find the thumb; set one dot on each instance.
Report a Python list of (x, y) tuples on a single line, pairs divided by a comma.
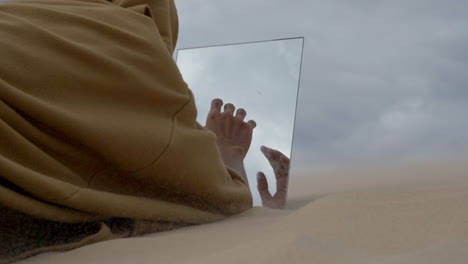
[(262, 186)]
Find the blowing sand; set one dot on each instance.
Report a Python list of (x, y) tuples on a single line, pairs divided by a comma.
[(409, 214)]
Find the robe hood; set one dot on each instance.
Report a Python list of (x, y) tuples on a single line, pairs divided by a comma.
[(163, 13)]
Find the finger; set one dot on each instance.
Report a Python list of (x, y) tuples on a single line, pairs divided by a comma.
[(241, 113), (229, 107), (283, 170), (262, 187), (281, 184), (265, 151), (284, 161), (252, 123), (273, 153), (273, 156), (216, 105)]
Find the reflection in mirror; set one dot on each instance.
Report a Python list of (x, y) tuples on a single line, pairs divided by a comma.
[(261, 77)]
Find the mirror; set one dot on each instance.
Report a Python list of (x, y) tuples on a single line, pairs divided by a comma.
[(261, 77)]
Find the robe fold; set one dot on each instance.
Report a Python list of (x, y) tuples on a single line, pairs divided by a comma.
[(98, 131)]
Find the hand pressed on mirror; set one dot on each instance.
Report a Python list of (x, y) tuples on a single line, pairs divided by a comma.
[(234, 135), (271, 92), (280, 164)]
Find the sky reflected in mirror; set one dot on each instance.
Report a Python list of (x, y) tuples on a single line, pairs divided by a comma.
[(262, 78)]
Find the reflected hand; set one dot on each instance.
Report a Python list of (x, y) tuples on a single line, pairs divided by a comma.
[(233, 134), (280, 164)]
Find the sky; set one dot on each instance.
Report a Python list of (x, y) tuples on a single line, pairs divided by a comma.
[(383, 82), (261, 77)]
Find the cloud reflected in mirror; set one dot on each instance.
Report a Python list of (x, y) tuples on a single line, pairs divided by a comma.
[(261, 77)]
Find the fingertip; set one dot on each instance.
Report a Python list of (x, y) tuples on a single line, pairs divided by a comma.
[(266, 151), (241, 112), (261, 180), (216, 104), (252, 123), (217, 101), (260, 175), (262, 184), (229, 108)]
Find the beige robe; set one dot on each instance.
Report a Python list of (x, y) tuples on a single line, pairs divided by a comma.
[(98, 137)]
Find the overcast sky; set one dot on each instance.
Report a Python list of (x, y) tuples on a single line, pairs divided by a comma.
[(382, 81)]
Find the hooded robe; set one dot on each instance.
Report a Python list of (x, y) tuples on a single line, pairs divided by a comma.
[(98, 131)]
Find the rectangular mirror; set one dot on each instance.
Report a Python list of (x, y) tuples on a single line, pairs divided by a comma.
[(261, 77)]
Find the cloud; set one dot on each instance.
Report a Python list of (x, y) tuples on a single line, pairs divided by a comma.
[(382, 81)]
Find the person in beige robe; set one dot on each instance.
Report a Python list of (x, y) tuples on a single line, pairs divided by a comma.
[(98, 138)]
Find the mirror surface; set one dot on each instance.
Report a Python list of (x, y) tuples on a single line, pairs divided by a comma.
[(261, 77)]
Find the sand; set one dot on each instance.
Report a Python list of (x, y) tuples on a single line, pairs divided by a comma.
[(410, 214)]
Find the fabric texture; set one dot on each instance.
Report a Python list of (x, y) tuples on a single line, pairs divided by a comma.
[(97, 124)]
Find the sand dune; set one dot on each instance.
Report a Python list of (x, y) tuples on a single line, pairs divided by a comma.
[(409, 214)]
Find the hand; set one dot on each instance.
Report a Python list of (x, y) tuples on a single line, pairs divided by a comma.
[(233, 134), (280, 164)]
